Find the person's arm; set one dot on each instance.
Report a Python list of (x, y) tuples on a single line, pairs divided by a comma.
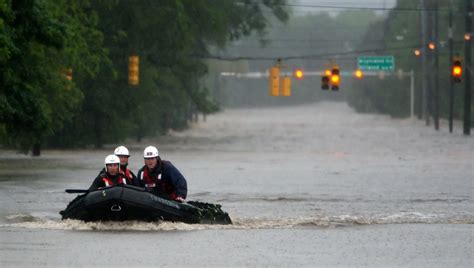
[(97, 183), (178, 180), (137, 181)]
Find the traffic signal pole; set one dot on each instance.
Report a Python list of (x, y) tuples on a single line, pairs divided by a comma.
[(412, 94), (436, 63), (430, 60), (424, 61), (468, 71), (451, 82)]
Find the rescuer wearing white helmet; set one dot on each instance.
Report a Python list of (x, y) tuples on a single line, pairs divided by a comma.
[(123, 155), (110, 176), (161, 177)]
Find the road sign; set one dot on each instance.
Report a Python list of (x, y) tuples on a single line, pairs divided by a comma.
[(376, 63)]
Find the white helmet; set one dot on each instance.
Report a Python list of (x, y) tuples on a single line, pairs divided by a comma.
[(111, 159), (121, 150), (150, 152)]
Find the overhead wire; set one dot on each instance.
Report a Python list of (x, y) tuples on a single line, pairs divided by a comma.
[(325, 55), (314, 56), (358, 7)]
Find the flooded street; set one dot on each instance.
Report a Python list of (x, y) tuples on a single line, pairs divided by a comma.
[(311, 185)]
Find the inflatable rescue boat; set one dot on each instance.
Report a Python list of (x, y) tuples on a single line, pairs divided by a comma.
[(125, 202)]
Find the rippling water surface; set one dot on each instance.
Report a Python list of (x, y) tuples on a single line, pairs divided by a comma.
[(307, 185)]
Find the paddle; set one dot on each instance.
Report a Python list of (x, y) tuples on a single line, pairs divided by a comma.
[(76, 191)]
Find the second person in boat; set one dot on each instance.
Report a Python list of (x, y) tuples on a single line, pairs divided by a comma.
[(123, 155)]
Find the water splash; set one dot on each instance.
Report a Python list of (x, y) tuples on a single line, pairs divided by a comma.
[(43, 222)]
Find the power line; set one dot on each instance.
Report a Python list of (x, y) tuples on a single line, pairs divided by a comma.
[(291, 40), (313, 56), (362, 8), (328, 26), (358, 8)]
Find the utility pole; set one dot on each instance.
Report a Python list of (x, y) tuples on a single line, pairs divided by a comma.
[(468, 71), (419, 65), (451, 82), (436, 63), (412, 94), (424, 73), (429, 64)]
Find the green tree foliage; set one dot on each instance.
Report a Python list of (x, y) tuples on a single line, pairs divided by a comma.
[(35, 97), (170, 37), (41, 39)]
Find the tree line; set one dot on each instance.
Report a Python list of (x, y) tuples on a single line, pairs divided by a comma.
[(42, 42)]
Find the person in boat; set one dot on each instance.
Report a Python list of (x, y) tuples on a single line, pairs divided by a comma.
[(111, 174), (123, 155), (161, 177)]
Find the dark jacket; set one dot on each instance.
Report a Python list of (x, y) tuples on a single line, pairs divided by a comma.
[(171, 182)]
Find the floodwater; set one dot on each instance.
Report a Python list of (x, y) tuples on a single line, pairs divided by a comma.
[(312, 185)]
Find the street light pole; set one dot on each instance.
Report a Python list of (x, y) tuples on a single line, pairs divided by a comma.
[(468, 70), (436, 63), (451, 82), (424, 72), (412, 94)]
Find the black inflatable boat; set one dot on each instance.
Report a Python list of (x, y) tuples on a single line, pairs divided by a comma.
[(123, 203)]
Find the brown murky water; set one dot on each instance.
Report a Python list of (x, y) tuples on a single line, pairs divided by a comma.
[(307, 185)]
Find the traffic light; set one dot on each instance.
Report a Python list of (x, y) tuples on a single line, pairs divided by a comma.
[(133, 70), (286, 86), (431, 45), (325, 80), (274, 81), (358, 74), (457, 70), (299, 74), (335, 78)]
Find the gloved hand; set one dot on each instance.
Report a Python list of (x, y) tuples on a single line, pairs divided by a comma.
[(179, 199)]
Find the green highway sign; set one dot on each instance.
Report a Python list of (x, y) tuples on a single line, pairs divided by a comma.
[(376, 63)]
